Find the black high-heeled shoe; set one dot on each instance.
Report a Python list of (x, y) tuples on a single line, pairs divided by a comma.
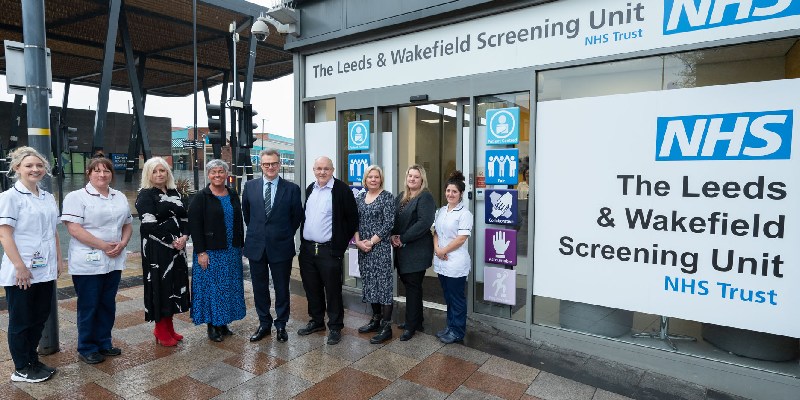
[(214, 334)]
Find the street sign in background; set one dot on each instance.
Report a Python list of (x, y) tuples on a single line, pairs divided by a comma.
[(15, 69)]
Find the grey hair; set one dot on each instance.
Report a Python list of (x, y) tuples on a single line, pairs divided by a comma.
[(269, 152), (19, 154), (217, 163)]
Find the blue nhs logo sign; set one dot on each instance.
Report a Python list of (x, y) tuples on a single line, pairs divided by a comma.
[(765, 135), (692, 15)]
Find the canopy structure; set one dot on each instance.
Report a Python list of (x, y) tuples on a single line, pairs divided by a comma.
[(161, 38), (146, 47)]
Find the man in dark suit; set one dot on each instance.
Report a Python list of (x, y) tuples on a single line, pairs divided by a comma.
[(331, 220), (272, 211)]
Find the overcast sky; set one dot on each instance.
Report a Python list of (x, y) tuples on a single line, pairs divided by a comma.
[(273, 100)]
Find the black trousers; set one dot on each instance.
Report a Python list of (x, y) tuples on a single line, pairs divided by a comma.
[(413, 284), (321, 273), (259, 276), (27, 312)]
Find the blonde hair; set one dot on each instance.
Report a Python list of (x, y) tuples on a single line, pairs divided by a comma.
[(369, 169), (19, 154), (150, 166), (407, 193)]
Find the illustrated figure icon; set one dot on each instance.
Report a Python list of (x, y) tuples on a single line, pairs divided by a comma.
[(502, 125), (491, 166), (500, 244), (501, 164), (499, 284), (358, 137)]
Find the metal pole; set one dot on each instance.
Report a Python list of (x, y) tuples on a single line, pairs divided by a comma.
[(236, 96), (35, 53), (194, 52)]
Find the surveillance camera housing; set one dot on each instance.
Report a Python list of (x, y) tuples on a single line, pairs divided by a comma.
[(260, 30)]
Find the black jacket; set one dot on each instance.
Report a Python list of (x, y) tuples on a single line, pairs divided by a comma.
[(345, 216), (413, 224), (206, 221)]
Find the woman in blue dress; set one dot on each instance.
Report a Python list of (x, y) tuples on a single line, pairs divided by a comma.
[(217, 282)]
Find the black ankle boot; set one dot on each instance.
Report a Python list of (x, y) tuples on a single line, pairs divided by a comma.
[(374, 325), (214, 334), (385, 333)]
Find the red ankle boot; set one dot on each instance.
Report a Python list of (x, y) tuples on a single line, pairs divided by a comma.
[(162, 334), (171, 329)]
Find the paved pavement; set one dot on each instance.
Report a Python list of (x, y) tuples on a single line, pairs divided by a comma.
[(489, 365), (303, 368)]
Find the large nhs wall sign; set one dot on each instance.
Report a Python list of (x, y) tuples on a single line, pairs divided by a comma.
[(691, 15), (689, 209), (765, 135), (541, 35)]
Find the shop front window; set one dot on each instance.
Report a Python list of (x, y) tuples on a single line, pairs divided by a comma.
[(625, 144)]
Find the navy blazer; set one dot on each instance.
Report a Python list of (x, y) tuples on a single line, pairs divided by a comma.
[(273, 234)]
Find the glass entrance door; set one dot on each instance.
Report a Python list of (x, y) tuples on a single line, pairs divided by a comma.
[(428, 135)]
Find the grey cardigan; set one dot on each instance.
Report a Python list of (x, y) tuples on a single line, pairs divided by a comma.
[(413, 224)]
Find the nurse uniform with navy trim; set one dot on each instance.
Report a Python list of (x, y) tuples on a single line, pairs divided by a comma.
[(105, 219), (449, 225), (34, 220)]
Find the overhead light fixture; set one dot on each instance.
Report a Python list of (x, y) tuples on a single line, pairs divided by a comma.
[(419, 97)]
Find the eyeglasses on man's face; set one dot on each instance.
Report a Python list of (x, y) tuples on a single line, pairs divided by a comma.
[(270, 164)]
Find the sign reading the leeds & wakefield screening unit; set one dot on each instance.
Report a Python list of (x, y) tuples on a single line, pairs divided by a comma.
[(358, 135), (356, 165), (502, 126), (501, 207), (558, 31), (679, 202)]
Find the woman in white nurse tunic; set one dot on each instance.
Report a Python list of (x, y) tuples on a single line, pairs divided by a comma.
[(99, 220), (451, 258), (31, 261)]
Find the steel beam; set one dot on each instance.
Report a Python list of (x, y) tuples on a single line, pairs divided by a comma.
[(114, 7), (136, 78)]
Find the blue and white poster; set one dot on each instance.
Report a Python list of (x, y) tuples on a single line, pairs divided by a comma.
[(502, 126), (502, 166), (358, 135), (501, 207), (356, 165)]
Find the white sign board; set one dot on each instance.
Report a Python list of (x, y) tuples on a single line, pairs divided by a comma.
[(15, 69), (540, 35), (681, 203)]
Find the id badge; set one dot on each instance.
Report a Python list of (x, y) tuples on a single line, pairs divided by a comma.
[(38, 261), (93, 256)]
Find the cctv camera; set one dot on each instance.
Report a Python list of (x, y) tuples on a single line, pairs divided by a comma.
[(260, 29)]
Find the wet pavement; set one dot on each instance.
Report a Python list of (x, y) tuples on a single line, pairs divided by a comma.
[(302, 368), (490, 364)]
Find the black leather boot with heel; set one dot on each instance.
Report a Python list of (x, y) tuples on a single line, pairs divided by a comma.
[(384, 334), (374, 325)]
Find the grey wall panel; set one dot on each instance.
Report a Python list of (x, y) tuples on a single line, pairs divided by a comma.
[(321, 18), (357, 17), (360, 12)]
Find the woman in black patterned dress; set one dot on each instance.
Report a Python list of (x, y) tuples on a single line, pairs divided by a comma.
[(376, 218), (164, 234)]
